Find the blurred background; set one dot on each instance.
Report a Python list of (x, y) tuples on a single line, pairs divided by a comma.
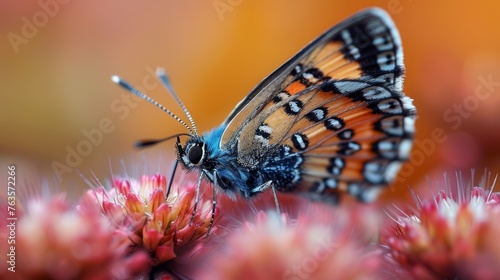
[(61, 114)]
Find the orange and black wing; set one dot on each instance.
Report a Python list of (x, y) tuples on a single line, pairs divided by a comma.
[(339, 104)]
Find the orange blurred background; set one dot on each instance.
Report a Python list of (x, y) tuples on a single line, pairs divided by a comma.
[(57, 59)]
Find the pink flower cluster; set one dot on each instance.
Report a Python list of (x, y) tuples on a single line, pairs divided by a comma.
[(325, 246), (132, 230), (449, 238), (56, 241), (153, 226)]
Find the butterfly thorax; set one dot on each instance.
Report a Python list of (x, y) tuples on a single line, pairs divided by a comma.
[(218, 166)]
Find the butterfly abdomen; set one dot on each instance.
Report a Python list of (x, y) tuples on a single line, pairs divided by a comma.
[(283, 168)]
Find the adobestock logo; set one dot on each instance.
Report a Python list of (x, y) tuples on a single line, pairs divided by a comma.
[(31, 26), (223, 6), (455, 115), (74, 156), (121, 107), (323, 250), (396, 6)]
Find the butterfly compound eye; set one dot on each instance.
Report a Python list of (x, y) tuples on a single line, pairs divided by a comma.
[(195, 154)]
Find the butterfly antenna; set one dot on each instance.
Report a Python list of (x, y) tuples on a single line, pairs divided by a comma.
[(151, 142), (162, 75), (127, 86)]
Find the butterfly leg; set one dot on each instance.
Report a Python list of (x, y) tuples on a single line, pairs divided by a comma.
[(197, 198), (214, 203), (264, 187), (172, 175), (278, 209)]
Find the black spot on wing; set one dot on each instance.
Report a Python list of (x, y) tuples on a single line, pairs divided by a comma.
[(317, 114), (334, 123), (294, 107), (300, 141)]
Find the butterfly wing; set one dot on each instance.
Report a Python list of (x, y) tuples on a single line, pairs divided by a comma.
[(336, 52), (338, 103)]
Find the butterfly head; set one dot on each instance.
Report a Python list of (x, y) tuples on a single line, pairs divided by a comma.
[(194, 152)]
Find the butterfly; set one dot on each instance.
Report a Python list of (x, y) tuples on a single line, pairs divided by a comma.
[(330, 121)]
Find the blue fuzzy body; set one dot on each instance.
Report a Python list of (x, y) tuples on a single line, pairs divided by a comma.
[(280, 166)]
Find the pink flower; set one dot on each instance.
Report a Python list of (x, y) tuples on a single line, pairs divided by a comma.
[(154, 228), (320, 243), (55, 241), (448, 237)]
